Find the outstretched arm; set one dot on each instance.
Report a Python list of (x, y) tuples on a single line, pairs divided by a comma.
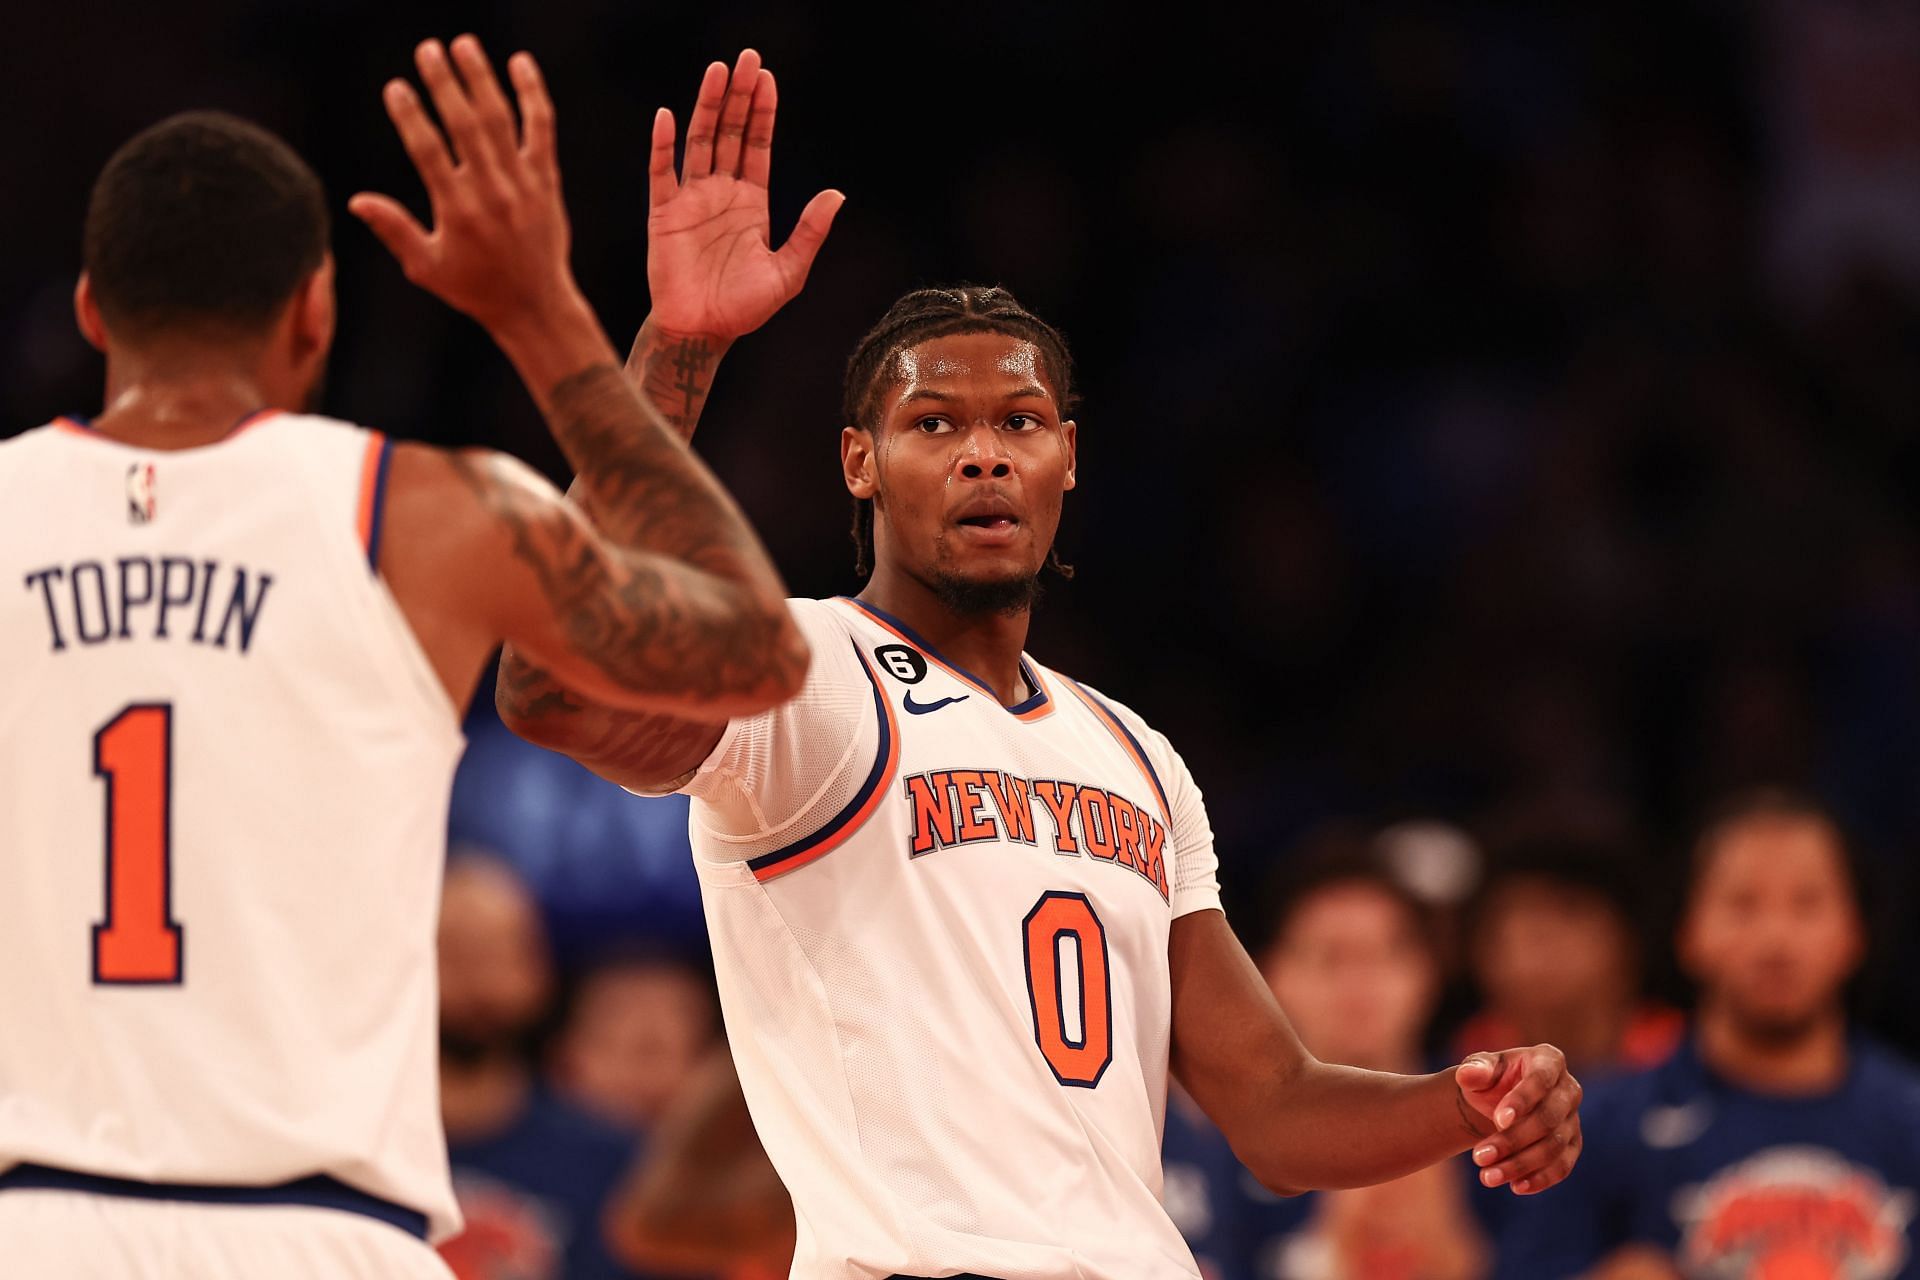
[(668, 600), (1303, 1125), (714, 276)]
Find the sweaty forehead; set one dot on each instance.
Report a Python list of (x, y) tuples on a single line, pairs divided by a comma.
[(995, 358)]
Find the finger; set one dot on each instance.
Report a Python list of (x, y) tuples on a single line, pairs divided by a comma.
[(795, 258), (1536, 1081), (756, 164), (395, 228), (536, 116), (1479, 1071), (662, 186), (423, 142), (703, 122), (490, 109), (449, 100), (1552, 1176), (733, 116), (1556, 1113), (1555, 1110), (1531, 1160)]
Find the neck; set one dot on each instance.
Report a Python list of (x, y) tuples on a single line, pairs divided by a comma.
[(179, 406), (479, 1099), (1811, 1062), (986, 644)]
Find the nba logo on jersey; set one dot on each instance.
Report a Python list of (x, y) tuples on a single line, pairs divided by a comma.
[(140, 485)]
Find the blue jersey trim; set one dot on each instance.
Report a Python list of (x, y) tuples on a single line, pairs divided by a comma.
[(379, 504), (881, 759), (1153, 775), (318, 1192)]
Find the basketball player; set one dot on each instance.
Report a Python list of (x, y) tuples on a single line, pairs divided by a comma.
[(238, 639), (963, 907)]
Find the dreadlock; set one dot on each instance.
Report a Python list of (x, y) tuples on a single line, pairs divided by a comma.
[(921, 316)]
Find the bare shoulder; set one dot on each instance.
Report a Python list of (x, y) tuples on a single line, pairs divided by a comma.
[(473, 510), (448, 553), (453, 481)]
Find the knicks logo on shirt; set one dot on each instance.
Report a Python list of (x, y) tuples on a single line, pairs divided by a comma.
[(1794, 1213), (968, 806), (140, 493)]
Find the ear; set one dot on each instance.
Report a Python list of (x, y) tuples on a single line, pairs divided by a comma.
[(313, 311), (86, 313), (1070, 435), (857, 462)]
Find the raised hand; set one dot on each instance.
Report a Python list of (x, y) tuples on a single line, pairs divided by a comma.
[(499, 244), (711, 265), (1527, 1105)]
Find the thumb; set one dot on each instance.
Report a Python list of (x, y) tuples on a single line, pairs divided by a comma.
[(1479, 1072), (798, 253), (404, 237)]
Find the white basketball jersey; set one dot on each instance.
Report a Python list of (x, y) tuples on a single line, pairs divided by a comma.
[(940, 928), (224, 772)]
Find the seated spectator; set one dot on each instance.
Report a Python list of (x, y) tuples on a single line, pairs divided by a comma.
[(705, 1197), (531, 1172), (1777, 1142), (1351, 958), (636, 1029), (1565, 903)]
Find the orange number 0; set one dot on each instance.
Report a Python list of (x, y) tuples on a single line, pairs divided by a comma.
[(139, 941), (1075, 1060)]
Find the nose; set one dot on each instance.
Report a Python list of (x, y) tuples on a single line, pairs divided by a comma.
[(983, 454)]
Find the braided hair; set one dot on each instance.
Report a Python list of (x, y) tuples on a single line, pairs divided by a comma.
[(921, 316)]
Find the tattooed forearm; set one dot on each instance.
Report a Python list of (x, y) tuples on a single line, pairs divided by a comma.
[(674, 372), (526, 692), (646, 622), (635, 748), (640, 482)]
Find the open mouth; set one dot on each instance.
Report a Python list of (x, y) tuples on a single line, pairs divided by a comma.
[(991, 522)]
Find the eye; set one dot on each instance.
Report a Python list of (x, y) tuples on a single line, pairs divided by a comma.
[(930, 425), (1023, 422)]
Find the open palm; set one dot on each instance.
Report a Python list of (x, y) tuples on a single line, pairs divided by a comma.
[(711, 265)]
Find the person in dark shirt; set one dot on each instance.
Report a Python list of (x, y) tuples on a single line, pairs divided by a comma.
[(1777, 1142), (531, 1171), (1572, 899)]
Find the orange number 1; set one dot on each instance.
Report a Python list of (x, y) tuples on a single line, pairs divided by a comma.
[(139, 942)]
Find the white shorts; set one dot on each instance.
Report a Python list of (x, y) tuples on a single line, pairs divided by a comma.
[(73, 1235)]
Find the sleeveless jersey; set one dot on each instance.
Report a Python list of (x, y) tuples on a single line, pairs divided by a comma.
[(224, 771), (940, 930)]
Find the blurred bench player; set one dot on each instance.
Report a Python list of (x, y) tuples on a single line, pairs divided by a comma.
[(238, 641), (1780, 1142), (963, 907)]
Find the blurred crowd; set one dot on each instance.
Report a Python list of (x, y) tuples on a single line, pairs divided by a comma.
[(1741, 1118)]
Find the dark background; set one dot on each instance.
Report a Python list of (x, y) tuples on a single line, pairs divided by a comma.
[(1489, 412)]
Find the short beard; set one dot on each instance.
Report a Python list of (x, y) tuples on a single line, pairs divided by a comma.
[(970, 597)]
